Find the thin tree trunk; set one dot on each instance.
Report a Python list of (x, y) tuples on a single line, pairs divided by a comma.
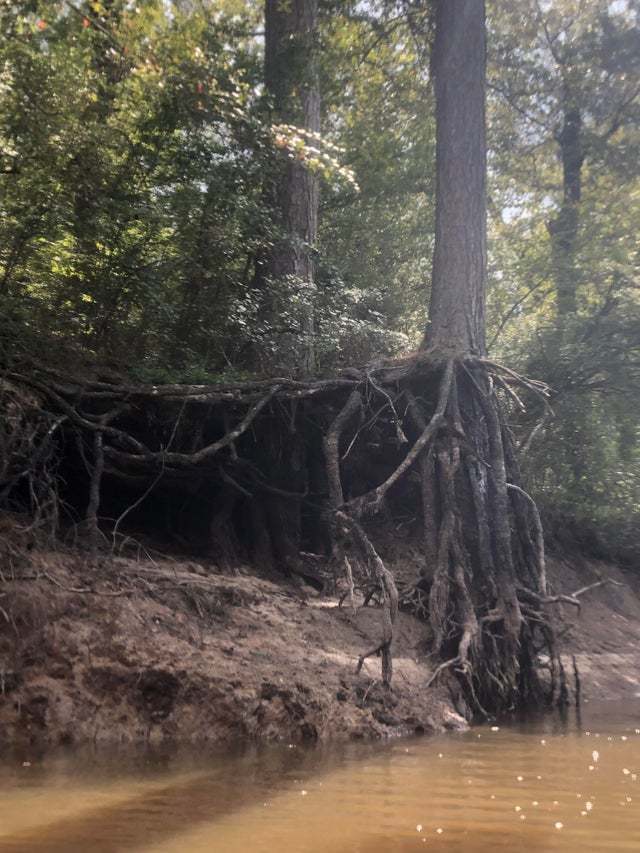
[(563, 231), (564, 228)]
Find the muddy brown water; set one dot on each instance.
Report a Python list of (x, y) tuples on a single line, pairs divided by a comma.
[(547, 785)]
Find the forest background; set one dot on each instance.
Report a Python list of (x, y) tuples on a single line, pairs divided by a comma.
[(139, 146)]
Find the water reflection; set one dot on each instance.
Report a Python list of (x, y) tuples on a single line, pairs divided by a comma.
[(535, 786)]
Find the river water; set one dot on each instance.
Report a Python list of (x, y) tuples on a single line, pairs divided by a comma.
[(548, 785)]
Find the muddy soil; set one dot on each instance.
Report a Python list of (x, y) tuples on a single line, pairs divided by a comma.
[(158, 650), (162, 650), (604, 635)]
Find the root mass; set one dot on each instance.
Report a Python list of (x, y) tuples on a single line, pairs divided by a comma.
[(299, 475)]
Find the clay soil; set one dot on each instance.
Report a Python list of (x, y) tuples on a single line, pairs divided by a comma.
[(135, 650)]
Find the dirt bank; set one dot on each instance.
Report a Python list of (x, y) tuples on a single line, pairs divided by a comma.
[(604, 635), (169, 650), (152, 650)]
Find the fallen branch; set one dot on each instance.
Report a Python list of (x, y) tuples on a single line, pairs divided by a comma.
[(571, 598), (83, 590)]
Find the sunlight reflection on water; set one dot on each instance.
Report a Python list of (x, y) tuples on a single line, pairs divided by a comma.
[(544, 785)]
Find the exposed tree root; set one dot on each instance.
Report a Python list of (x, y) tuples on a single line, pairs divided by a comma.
[(289, 467)]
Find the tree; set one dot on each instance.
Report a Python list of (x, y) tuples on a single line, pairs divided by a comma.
[(376, 244), (573, 80), (131, 155), (566, 112), (292, 81), (482, 530), (294, 467)]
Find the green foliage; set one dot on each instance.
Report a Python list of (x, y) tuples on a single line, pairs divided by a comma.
[(135, 149), (548, 61), (136, 154), (131, 191), (376, 245)]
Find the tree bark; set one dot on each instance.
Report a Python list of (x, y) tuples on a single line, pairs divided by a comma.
[(458, 292), (563, 230), (292, 80), (481, 630)]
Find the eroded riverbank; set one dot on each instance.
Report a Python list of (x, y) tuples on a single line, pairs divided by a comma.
[(163, 651), (190, 655)]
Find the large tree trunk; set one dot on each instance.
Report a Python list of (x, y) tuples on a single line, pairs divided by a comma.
[(457, 309), (292, 80)]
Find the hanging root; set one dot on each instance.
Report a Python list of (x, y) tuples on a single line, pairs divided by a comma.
[(489, 628), (482, 632), (345, 525), (389, 596), (350, 585), (28, 458)]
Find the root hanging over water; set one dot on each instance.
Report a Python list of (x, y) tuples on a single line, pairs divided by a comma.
[(483, 540)]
